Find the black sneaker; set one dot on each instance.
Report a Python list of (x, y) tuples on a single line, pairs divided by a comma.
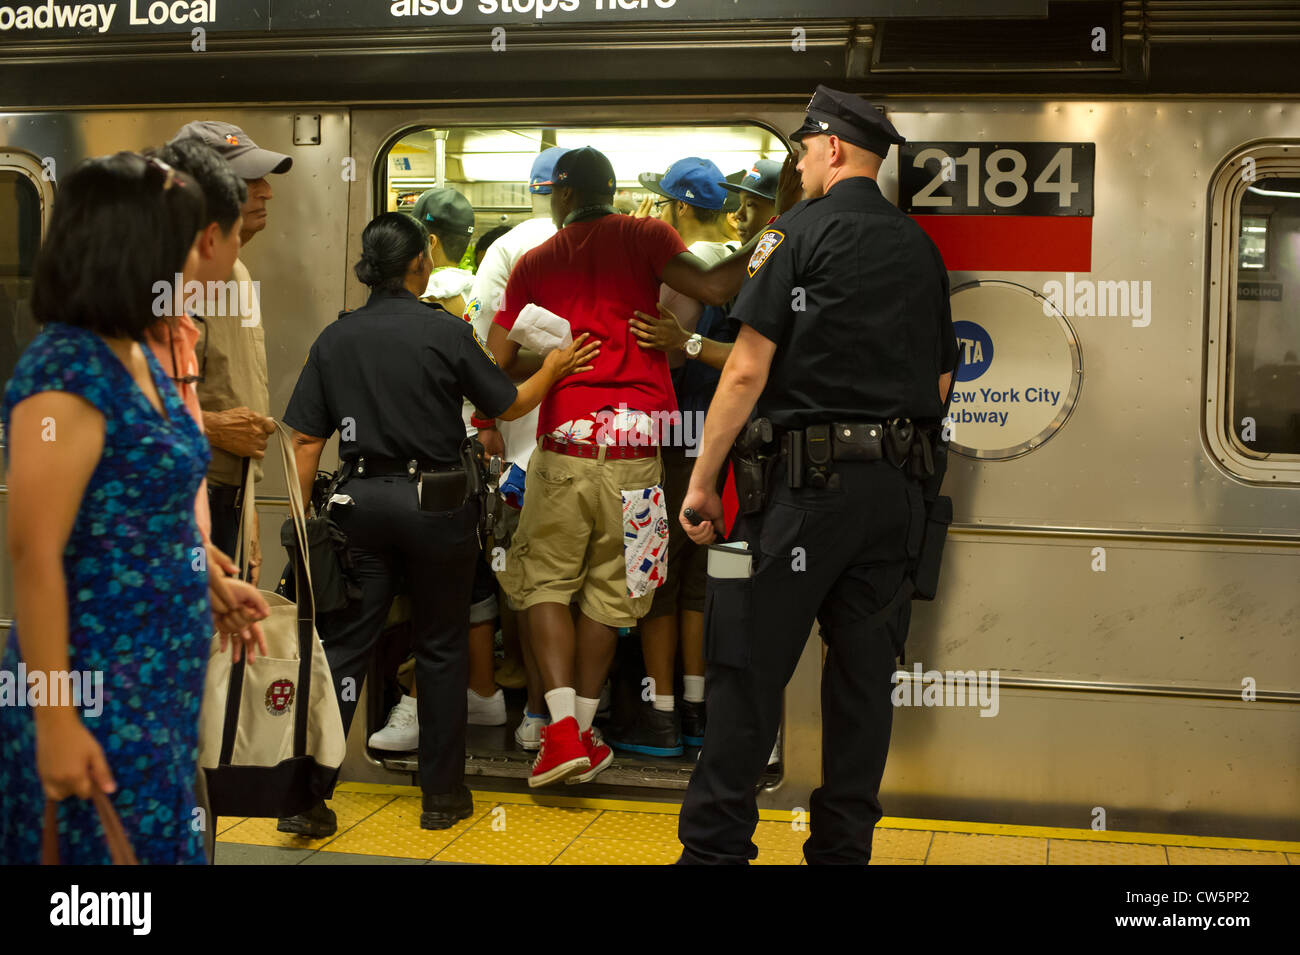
[(692, 716), (652, 732), (317, 822), (444, 810)]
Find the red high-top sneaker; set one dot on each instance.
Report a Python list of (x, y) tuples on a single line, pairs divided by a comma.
[(562, 753), (599, 754)]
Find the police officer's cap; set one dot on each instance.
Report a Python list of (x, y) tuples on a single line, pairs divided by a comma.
[(445, 210), (851, 118)]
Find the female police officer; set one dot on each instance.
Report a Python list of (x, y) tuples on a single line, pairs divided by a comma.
[(390, 377)]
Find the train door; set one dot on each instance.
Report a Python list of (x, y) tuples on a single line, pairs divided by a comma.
[(486, 155)]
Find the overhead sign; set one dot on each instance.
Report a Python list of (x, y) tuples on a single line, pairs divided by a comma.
[(997, 206), (29, 19), (1021, 370)]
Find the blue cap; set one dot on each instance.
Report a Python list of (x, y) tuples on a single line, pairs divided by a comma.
[(761, 180), (691, 180), (543, 171)]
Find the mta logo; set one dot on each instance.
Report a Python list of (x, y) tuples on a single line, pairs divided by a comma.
[(976, 350)]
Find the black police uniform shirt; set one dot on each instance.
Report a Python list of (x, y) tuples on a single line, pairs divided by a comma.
[(855, 296), (390, 377)]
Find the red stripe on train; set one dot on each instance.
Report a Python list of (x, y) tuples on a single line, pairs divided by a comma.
[(1012, 243)]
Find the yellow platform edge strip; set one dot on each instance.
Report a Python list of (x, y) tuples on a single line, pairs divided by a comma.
[(888, 822)]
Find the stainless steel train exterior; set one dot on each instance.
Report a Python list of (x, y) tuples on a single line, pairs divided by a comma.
[(1121, 700)]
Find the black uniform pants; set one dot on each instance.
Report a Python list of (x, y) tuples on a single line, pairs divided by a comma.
[(840, 557), (224, 506), (389, 535)]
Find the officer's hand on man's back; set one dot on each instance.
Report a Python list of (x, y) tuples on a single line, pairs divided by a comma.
[(241, 431)]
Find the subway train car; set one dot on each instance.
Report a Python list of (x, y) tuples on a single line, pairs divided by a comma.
[(1115, 188)]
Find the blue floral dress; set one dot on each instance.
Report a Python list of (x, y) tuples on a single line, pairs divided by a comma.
[(138, 613)]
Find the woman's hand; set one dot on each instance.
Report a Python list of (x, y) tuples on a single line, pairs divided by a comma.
[(247, 607), (577, 357), (69, 759), (664, 333)]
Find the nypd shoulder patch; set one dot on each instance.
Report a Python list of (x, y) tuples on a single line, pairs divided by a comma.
[(767, 243)]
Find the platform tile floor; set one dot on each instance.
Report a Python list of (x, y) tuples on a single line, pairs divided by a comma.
[(380, 825)]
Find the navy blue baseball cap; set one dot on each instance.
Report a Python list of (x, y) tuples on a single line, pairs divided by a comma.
[(691, 180), (587, 170), (761, 180), (851, 118), (543, 171)]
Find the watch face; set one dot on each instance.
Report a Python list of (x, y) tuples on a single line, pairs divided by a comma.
[(693, 345)]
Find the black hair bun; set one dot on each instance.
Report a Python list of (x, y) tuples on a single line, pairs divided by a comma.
[(367, 271)]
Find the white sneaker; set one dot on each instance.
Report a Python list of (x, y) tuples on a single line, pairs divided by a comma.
[(486, 710), (528, 735), (401, 733)]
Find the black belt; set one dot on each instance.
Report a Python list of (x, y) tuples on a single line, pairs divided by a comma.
[(369, 466), (810, 450)]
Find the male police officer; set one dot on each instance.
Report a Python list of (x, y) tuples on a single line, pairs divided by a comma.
[(846, 339)]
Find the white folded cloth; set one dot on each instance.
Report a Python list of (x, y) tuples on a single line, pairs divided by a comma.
[(540, 330)]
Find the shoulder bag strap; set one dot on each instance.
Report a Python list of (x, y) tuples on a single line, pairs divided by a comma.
[(306, 602)]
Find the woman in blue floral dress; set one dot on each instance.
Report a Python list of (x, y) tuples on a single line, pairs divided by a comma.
[(111, 585)]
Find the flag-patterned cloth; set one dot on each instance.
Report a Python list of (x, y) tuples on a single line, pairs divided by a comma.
[(645, 539)]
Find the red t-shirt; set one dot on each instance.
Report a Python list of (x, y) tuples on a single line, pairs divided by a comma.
[(596, 273)]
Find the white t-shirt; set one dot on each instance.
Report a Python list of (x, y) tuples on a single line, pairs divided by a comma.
[(687, 309), (448, 283), (482, 305)]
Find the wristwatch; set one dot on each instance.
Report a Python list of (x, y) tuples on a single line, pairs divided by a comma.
[(693, 345)]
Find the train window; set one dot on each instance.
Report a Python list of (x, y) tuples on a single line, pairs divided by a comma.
[(20, 237), (490, 165), (1265, 333), (1253, 388)]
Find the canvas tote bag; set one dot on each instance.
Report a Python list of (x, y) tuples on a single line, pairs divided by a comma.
[(270, 734)]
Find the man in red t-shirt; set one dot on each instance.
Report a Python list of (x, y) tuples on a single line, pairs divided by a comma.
[(594, 528)]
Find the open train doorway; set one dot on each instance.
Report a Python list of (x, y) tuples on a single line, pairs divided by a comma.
[(490, 166)]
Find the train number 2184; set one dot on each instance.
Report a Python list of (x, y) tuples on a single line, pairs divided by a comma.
[(1031, 179)]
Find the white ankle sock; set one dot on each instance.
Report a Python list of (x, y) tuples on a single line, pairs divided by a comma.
[(664, 704), (585, 711), (560, 701), (694, 691)]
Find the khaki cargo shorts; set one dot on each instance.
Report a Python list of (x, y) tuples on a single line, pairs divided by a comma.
[(569, 542)]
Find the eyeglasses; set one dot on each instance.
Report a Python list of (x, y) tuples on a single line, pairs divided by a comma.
[(661, 203)]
